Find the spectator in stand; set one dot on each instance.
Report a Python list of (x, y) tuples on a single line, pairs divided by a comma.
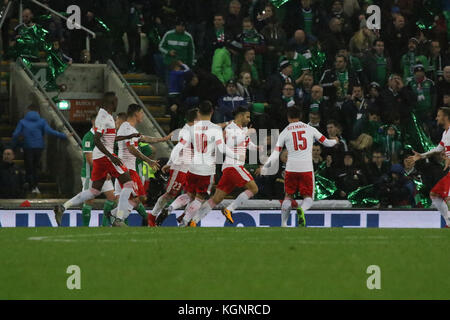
[(436, 62), (263, 18), (134, 30), (378, 169), (362, 41), (376, 65), (396, 101), (32, 127), (333, 40), (11, 177), (253, 99), (425, 91), (300, 65), (327, 110), (315, 121), (275, 39), (350, 177), (305, 15), (216, 37), (352, 110), (391, 144), (374, 93), (250, 38), (317, 156), (177, 44), (337, 152), (396, 41), (365, 130), (411, 59), (233, 20), (338, 81), (249, 65), (300, 42), (398, 190), (228, 103), (176, 86), (275, 83), (337, 11), (443, 86), (278, 112), (410, 168), (354, 66), (222, 66), (304, 92)]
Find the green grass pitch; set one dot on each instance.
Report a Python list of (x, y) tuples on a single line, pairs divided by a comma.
[(224, 263)]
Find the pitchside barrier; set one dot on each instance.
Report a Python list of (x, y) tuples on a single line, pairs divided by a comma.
[(347, 218)]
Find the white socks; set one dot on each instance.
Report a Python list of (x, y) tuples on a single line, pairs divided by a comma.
[(306, 204), (122, 212), (441, 205), (191, 209), (285, 211), (206, 207), (240, 200), (82, 197), (180, 202), (160, 204)]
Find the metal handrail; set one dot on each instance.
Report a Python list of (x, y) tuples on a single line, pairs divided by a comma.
[(138, 100), (50, 101), (5, 13)]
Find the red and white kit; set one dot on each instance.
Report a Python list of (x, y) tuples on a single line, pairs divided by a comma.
[(442, 188), (298, 137), (104, 123), (234, 175), (128, 159), (178, 171)]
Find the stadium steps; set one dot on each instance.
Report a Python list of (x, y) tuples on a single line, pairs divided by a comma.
[(47, 183), (152, 91)]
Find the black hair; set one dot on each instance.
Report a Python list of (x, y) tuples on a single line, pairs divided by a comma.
[(205, 108), (109, 98), (132, 109), (122, 115), (241, 109), (446, 112), (294, 113), (192, 115)]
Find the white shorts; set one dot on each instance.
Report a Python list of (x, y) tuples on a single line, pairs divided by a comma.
[(86, 184)]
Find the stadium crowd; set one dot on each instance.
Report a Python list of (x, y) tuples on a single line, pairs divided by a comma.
[(377, 90)]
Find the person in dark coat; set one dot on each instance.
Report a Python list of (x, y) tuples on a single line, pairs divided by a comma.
[(11, 177)]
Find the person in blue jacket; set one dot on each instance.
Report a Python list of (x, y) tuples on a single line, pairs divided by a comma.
[(32, 127), (228, 103)]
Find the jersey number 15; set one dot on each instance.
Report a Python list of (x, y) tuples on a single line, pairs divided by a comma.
[(300, 142)]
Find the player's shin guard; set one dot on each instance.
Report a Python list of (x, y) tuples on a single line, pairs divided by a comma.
[(191, 210), (81, 197), (86, 214), (285, 211), (122, 212), (441, 205), (240, 200), (107, 207)]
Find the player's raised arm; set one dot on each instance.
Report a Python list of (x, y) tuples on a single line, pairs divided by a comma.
[(135, 152), (275, 155), (418, 156)]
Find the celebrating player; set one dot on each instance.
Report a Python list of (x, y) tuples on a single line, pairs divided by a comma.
[(177, 178), (205, 137), (86, 182), (128, 152), (233, 172), (104, 163), (298, 138), (440, 193)]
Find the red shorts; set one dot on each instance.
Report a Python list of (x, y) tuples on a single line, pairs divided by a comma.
[(138, 187), (442, 187), (101, 167), (198, 184), (299, 181), (177, 180), (234, 177)]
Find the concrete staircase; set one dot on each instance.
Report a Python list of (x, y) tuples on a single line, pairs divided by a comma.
[(152, 91), (47, 184)]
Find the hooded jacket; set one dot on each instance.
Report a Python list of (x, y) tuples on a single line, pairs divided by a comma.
[(32, 127)]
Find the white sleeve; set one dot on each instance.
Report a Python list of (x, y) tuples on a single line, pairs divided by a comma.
[(185, 138), (276, 152), (100, 123), (322, 139), (223, 148), (439, 148)]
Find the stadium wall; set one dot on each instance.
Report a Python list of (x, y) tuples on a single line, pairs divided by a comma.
[(346, 218)]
